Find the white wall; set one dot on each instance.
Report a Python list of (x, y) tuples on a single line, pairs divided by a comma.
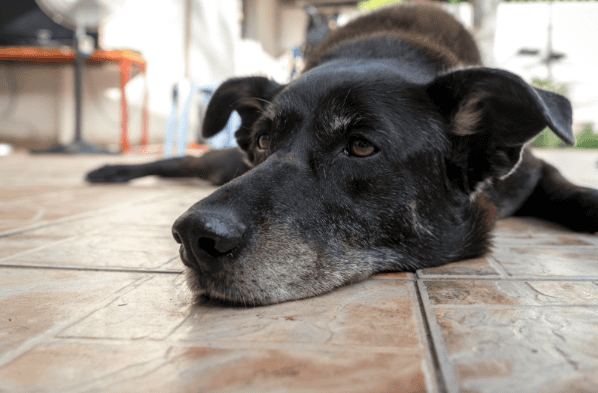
[(28, 101), (575, 31), (36, 102)]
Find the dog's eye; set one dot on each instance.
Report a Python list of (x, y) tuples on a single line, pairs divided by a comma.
[(360, 147), (263, 142)]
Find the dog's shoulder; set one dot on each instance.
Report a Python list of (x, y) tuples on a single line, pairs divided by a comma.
[(425, 27)]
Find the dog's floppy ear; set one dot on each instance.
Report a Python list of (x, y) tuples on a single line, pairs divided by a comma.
[(492, 114), (248, 96)]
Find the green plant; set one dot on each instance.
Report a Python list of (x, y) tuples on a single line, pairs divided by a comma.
[(587, 139), (547, 139), (371, 5), (547, 85)]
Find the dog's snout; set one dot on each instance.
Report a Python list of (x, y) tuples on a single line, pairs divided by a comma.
[(206, 236)]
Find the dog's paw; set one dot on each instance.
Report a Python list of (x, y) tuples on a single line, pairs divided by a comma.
[(111, 174)]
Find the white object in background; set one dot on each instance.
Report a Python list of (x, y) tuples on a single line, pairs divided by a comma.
[(5, 149), (177, 127)]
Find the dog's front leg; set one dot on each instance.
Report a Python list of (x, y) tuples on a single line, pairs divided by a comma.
[(217, 166)]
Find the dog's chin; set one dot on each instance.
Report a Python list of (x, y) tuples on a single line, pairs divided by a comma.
[(206, 291), (235, 295)]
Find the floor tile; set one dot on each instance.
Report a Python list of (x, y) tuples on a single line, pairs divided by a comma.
[(503, 292), (548, 349), (131, 253), (151, 310), (477, 267), (136, 237), (374, 313), (151, 367), (46, 207), (561, 239), (18, 243), (523, 227), (577, 262), (33, 301), (361, 338)]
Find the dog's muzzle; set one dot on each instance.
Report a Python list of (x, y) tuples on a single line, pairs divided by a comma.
[(208, 238)]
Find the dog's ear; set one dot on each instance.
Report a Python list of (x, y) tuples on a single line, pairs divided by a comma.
[(248, 96), (492, 114)]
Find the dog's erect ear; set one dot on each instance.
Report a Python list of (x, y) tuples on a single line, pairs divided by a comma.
[(248, 96), (491, 115)]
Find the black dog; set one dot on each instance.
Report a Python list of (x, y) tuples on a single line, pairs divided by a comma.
[(394, 150)]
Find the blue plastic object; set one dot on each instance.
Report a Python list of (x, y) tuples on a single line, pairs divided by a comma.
[(180, 124)]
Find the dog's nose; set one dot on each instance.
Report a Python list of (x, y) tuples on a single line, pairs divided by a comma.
[(208, 235)]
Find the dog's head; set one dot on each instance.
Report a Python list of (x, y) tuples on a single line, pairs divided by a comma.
[(359, 168)]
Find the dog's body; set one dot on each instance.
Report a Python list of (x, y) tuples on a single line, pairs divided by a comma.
[(394, 150)]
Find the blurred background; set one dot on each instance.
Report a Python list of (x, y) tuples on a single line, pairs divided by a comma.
[(168, 55)]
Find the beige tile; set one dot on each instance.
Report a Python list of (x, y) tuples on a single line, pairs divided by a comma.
[(86, 226), (25, 170), (72, 201), (501, 292), (148, 230), (477, 267), (555, 240), (578, 262), (523, 227), (32, 301), (374, 313), (104, 252), (548, 349), (152, 367), (17, 243), (151, 310), (137, 237), (8, 193)]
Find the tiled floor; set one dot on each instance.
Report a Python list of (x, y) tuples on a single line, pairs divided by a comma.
[(92, 299)]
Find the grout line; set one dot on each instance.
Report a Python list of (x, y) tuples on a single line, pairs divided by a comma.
[(440, 379), (169, 261), (446, 277), (447, 378), (510, 247), (95, 269), (430, 366), (511, 306), (493, 262)]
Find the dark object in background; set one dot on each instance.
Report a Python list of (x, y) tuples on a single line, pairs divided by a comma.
[(23, 23), (216, 166), (318, 28)]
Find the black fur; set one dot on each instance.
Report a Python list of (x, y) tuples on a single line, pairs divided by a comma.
[(444, 144)]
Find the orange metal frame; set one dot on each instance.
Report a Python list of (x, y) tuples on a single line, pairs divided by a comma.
[(124, 58)]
